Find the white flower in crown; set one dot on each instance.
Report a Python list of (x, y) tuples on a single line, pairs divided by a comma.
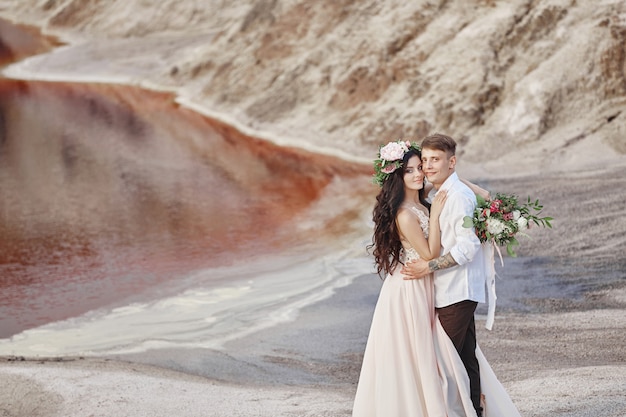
[(394, 151)]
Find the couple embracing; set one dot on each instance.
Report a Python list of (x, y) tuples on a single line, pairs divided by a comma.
[(421, 358)]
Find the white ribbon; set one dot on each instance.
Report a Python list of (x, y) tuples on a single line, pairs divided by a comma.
[(490, 280)]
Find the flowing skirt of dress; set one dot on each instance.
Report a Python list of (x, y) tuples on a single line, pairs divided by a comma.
[(410, 366)]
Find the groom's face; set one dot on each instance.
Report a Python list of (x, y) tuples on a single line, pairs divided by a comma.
[(437, 165)]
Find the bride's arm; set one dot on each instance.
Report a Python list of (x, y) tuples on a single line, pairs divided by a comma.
[(476, 189), (410, 228)]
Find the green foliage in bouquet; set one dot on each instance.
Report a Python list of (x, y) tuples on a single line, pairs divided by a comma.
[(500, 219)]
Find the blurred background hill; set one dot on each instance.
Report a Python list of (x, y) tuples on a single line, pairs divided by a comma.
[(524, 85)]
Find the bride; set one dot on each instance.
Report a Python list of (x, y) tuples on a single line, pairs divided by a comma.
[(410, 366)]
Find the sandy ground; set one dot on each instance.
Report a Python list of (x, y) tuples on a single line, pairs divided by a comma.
[(97, 387), (560, 364)]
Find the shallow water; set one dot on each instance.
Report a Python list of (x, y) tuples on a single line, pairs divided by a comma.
[(121, 210), (218, 306)]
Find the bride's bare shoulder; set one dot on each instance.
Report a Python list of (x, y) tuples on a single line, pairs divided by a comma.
[(407, 213)]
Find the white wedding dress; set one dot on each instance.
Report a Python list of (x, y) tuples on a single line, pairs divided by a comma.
[(410, 366)]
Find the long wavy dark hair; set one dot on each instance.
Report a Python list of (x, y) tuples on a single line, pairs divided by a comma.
[(386, 239)]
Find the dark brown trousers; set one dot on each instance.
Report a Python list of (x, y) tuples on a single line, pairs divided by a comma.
[(458, 322)]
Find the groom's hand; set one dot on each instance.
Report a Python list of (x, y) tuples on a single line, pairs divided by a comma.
[(415, 269)]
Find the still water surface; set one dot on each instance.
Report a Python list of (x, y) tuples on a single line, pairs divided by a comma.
[(130, 221)]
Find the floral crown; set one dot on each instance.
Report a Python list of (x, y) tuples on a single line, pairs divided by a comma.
[(390, 158)]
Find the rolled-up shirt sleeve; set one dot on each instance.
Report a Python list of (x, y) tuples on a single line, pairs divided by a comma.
[(467, 243)]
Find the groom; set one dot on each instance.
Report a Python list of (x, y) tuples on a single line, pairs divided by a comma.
[(460, 272)]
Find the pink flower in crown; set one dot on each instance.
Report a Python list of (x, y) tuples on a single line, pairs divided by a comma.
[(389, 168), (507, 216), (393, 151), (495, 206)]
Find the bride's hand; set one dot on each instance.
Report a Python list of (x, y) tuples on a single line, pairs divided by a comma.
[(437, 204), (484, 194)]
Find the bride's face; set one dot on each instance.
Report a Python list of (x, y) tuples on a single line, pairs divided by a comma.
[(413, 175)]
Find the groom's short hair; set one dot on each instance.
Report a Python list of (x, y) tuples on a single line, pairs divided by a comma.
[(440, 142)]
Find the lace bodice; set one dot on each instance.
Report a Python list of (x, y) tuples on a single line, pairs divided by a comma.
[(409, 252)]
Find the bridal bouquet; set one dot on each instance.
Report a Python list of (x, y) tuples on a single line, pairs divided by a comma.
[(500, 219)]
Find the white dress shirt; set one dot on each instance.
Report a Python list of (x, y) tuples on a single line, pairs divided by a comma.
[(466, 281)]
